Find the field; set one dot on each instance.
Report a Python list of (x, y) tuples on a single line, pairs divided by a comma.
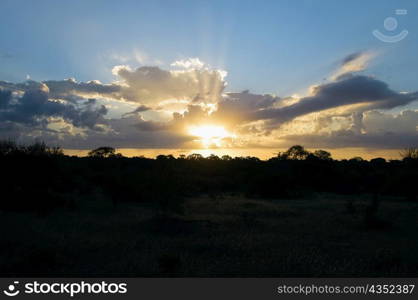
[(230, 235)]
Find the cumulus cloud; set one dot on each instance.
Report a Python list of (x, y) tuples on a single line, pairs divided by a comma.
[(190, 63), (151, 85), (387, 123), (371, 129), (148, 85)]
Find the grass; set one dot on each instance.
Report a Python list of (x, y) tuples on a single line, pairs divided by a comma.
[(227, 236)]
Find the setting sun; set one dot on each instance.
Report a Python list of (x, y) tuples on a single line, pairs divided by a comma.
[(210, 135)]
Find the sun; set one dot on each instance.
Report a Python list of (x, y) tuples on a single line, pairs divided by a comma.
[(210, 135)]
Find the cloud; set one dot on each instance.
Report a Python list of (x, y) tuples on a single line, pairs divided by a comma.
[(151, 85), (351, 89), (190, 63), (372, 129), (31, 105), (348, 110), (236, 108), (345, 139), (70, 87), (137, 110), (64, 109), (5, 98), (354, 62), (379, 122), (147, 85), (130, 132)]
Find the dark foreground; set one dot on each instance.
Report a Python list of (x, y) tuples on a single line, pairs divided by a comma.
[(297, 214), (231, 236)]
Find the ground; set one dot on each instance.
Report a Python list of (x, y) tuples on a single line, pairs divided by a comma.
[(232, 236)]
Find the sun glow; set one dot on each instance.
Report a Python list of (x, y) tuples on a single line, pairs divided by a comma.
[(210, 135)]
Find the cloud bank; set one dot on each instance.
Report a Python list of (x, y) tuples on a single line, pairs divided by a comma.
[(351, 109)]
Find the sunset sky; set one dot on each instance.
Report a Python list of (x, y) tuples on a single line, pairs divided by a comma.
[(210, 75)]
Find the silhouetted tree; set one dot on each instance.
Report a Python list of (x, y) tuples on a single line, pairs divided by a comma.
[(322, 155), (103, 152), (296, 152), (226, 157), (166, 181), (8, 147), (165, 157), (356, 159), (195, 156), (281, 156), (409, 153), (213, 157), (378, 161)]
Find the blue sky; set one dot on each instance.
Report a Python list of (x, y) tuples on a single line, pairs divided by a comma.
[(266, 46), (316, 74)]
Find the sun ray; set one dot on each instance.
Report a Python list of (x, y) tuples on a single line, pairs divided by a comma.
[(210, 135)]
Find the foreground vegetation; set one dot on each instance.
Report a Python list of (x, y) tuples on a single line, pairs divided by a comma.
[(298, 214), (232, 236)]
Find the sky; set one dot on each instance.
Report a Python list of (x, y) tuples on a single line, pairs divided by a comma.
[(210, 74)]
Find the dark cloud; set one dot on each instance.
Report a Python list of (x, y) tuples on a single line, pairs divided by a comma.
[(353, 62), (32, 106), (152, 126), (5, 97), (137, 110), (351, 89), (22, 86), (70, 87), (347, 138), (351, 57), (236, 108), (129, 132)]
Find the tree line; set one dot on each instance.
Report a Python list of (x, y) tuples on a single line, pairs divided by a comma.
[(40, 177)]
